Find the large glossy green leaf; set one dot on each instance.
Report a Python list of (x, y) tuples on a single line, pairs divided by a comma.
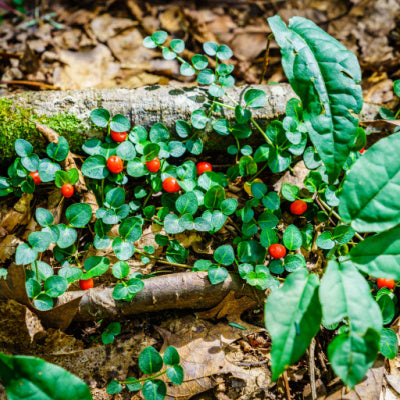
[(369, 199), (379, 255), (352, 355), (32, 378), (292, 317), (326, 77), (344, 293)]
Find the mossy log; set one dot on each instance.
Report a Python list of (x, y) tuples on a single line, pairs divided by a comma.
[(67, 112)]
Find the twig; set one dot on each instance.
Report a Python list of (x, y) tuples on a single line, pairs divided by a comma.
[(266, 58), (311, 366), (31, 83), (285, 378), (251, 364)]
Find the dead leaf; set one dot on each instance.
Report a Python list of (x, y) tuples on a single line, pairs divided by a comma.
[(19, 214), (89, 69), (14, 288), (105, 26), (205, 354), (8, 246)]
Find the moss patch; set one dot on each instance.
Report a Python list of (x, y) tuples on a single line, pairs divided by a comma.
[(13, 125)]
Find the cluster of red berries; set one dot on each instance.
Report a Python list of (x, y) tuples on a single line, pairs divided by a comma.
[(387, 283), (67, 190)]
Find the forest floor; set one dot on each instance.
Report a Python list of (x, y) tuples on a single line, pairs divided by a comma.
[(87, 44)]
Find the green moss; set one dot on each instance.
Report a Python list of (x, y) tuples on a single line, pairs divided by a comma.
[(13, 125)]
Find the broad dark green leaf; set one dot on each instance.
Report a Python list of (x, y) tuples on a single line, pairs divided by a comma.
[(95, 167), (352, 355), (217, 274), (154, 389), (150, 360), (95, 266), (369, 199), (25, 255), (379, 255), (292, 238), (175, 374), (58, 151), (171, 356), (326, 77), (27, 377), (123, 249), (292, 317), (224, 255), (340, 300), (55, 285), (388, 345), (79, 214)]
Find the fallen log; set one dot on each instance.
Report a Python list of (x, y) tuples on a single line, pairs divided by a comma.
[(185, 290)]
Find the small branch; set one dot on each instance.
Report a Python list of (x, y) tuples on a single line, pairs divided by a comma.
[(287, 387), (266, 58), (30, 83), (311, 367)]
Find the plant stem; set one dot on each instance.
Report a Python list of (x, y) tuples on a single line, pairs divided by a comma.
[(266, 57), (160, 260), (335, 214), (148, 197), (258, 173), (145, 379)]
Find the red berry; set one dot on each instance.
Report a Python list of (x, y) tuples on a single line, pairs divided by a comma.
[(362, 151), (36, 177), (203, 167), (86, 284), (67, 190), (119, 136), (170, 185), (115, 164), (387, 283), (153, 165), (298, 207), (277, 251)]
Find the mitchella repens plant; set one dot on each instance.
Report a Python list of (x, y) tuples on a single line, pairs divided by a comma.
[(330, 215)]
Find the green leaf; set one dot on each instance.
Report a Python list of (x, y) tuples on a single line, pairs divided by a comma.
[(271, 201), (159, 37), (262, 153), (251, 251), (47, 170), (388, 345), (25, 255), (31, 163), (326, 77), (379, 255), (43, 302), (177, 45), (214, 197), (247, 166), (294, 261), (136, 168), (290, 192), (396, 87), (242, 115), (229, 206), (33, 287), (324, 241), (343, 234), (255, 98), (123, 249), (171, 356), (175, 374), (131, 229), (258, 189), (223, 52), (199, 119), (292, 238), (222, 126), (183, 129), (95, 266), (293, 316), (58, 151), (224, 255), (279, 160), (387, 307), (267, 220), (373, 207), (126, 151), (311, 158), (268, 236), (30, 377), (115, 197), (159, 133), (217, 274), (200, 62), (173, 225), (114, 387), (133, 385), (45, 271), (55, 285), (100, 117), (95, 167), (23, 148), (150, 361), (79, 214), (339, 299), (210, 48), (187, 203), (40, 241), (352, 355), (154, 390), (71, 274), (120, 269), (187, 70)]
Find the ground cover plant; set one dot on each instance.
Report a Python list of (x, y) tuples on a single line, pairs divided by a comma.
[(346, 216)]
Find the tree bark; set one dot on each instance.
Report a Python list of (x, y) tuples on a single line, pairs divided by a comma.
[(185, 290)]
